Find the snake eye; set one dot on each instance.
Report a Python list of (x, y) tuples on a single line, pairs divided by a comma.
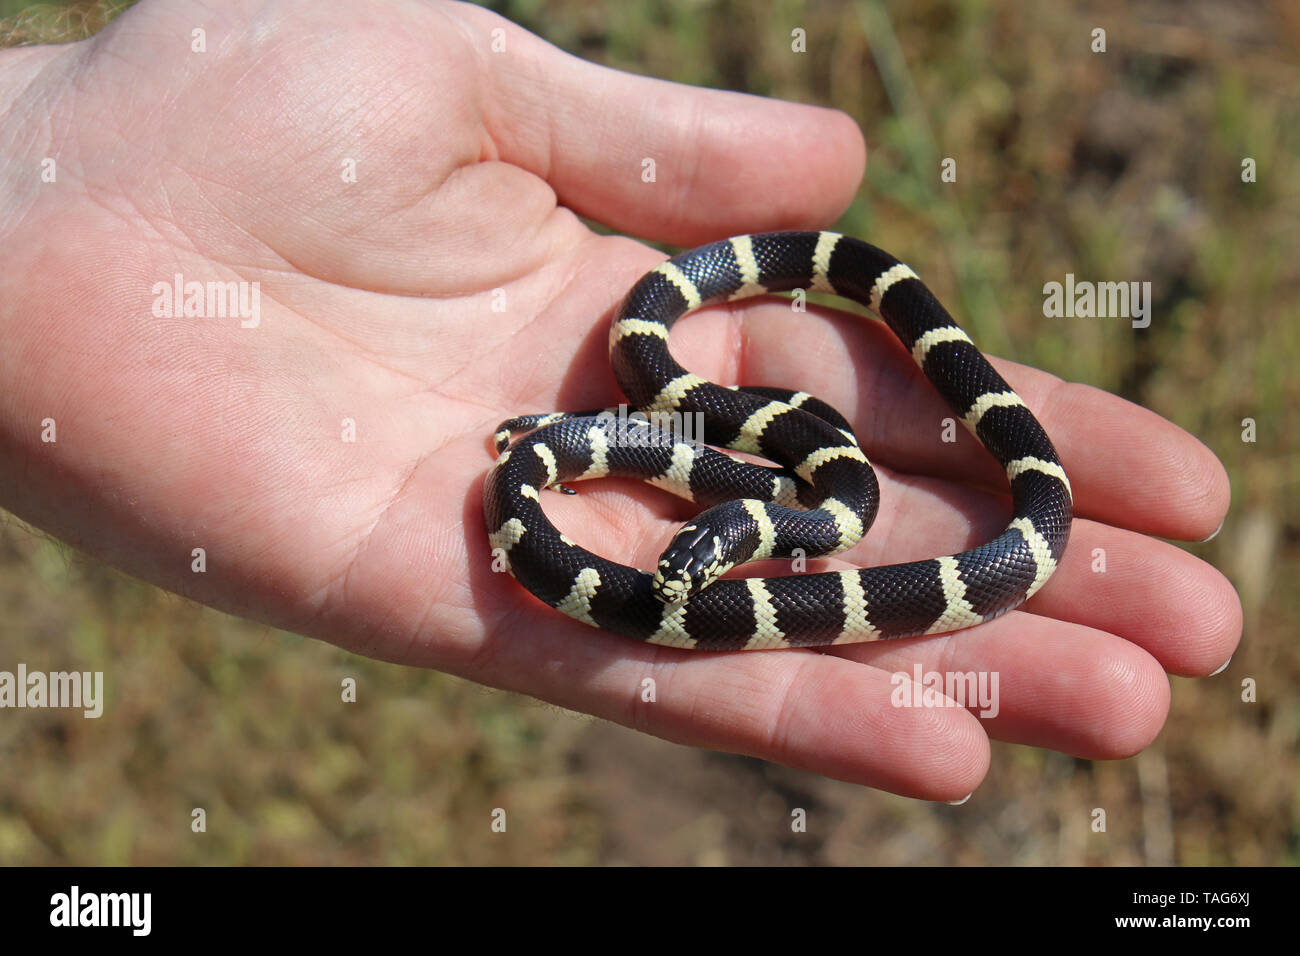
[(689, 564)]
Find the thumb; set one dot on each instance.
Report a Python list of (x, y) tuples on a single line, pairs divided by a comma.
[(660, 160)]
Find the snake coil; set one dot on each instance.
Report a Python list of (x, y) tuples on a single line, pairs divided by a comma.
[(820, 500)]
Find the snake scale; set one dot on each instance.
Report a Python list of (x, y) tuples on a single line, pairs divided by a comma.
[(819, 500)]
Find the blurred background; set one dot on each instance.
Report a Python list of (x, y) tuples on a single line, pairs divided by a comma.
[(1122, 165)]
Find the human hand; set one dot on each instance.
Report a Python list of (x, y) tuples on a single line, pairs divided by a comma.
[(377, 306)]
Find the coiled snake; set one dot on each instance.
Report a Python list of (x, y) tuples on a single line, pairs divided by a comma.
[(819, 501)]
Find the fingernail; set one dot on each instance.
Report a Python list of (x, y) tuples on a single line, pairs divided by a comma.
[(1212, 537), (958, 803), (1223, 668)]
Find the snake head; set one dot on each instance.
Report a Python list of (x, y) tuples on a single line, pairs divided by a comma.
[(689, 564)]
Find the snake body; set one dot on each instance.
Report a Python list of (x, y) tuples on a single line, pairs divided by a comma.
[(819, 500)]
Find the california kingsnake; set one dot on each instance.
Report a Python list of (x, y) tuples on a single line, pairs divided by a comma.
[(821, 500)]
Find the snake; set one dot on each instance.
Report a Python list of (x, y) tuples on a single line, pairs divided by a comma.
[(818, 497)]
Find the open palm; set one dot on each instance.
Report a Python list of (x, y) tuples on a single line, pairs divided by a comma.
[(404, 189)]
